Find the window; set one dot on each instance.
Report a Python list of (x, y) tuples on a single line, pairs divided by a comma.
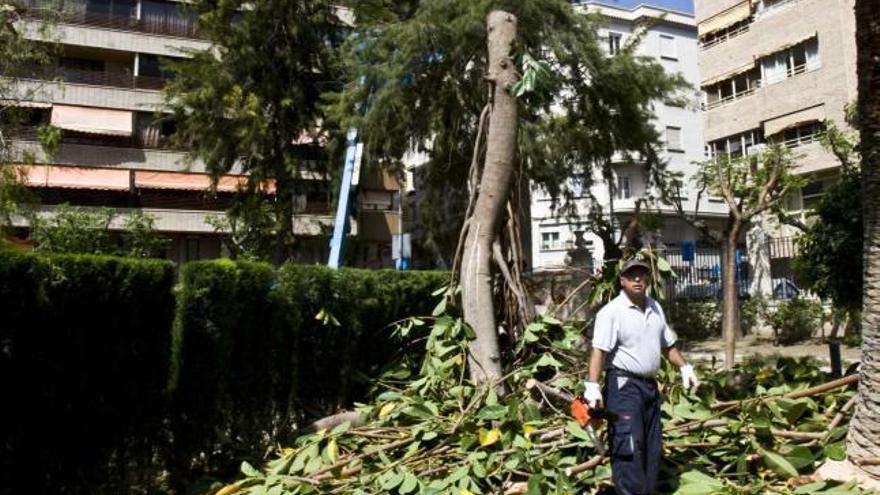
[(736, 87), (736, 145), (623, 187), (614, 40), (673, 139), (578, 185), (191, 250), (791, 61), (667, 47), (550, 241), (799, 135)]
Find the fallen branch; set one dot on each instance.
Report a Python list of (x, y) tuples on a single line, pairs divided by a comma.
[(840, 382), (549, 391), (355, 418), (585, 466), (866, 461)]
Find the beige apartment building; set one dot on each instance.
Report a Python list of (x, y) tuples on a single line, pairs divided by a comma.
[(770, 72), (115, 150)]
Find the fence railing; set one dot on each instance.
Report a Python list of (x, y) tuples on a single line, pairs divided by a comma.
[(705, 45), (164, 25), (735, 96), (699, 273)]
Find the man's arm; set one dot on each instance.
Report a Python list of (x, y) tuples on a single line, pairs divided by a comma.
[(597, 359), (674, 355)]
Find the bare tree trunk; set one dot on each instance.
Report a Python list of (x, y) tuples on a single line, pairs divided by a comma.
[(863, 439), (495, 183), (729, 320)]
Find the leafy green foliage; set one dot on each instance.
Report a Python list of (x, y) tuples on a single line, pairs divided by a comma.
[(70, 229), (694, 320), (252, 99), (258, 351), (796, 320), (437, 433), (87, 339), (249, 227), (140, 238), (830, 251), (420, 83)]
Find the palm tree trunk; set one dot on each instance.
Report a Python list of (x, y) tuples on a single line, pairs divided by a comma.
[(494, 190), (863, 439)]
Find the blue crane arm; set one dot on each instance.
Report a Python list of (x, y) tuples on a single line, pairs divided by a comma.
[(343, 206)]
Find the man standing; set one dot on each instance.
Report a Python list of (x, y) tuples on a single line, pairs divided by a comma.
[(629, 338)]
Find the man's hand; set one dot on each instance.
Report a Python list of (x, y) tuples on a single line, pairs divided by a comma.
[(689, 378), (592, 394)]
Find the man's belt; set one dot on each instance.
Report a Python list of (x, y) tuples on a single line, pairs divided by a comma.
[(630, 374)]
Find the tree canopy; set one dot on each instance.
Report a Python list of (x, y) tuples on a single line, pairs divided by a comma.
[(253, 99), (416, 73)]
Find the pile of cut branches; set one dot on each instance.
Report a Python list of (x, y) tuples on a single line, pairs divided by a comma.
[(761, 428)]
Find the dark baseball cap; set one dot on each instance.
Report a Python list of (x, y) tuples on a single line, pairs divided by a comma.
[(633, 263)]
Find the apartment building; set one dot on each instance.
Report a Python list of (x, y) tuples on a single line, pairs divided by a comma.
[(115, 150), (771, 71), (671, 39)]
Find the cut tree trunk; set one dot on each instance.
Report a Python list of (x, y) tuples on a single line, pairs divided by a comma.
[(494, 189), (863, 439), (729, 320)]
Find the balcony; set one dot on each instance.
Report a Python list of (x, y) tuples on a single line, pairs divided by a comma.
[(78, 15)]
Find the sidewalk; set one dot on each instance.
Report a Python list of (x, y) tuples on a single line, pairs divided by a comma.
[(761, 346)]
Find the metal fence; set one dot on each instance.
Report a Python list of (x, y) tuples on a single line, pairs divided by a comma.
[(699, 271)]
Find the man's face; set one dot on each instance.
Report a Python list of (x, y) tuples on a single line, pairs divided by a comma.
[(635, 281)]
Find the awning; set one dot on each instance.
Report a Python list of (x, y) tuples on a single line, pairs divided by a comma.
[(191, 182), (728, 75), (725, 18), (783, 122), (184, 181), (93, 120), (789, 44), (76, 177)]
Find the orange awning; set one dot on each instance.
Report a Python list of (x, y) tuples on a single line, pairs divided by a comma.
[(190, 182), (77, 177)]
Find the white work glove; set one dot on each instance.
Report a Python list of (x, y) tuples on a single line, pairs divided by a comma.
[(592, 394), (689, 377)]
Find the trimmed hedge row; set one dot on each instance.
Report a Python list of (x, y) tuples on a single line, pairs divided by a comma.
[(253, 359), (85, 352), (119, 382)]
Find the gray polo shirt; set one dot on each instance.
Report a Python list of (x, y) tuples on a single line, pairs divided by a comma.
[(632, 339)]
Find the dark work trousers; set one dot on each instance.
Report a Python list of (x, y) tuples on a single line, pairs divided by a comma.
[(636, 437)]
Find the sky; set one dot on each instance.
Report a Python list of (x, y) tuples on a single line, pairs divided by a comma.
[(685, 6)]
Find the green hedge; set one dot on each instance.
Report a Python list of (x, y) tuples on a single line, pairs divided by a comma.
[(85, 353), (252, 360), (119, 382)]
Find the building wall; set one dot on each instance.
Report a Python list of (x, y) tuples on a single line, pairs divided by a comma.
[(830, 86), (683, 59)]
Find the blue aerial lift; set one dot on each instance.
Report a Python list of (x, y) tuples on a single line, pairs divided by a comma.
[(350, 172)]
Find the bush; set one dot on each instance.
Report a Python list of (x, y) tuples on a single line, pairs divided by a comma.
[(257, 352), (795, 320), (695, 320), (753, 311), (87, 341)]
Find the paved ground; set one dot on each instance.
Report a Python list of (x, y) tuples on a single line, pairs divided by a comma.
[(753, 345)]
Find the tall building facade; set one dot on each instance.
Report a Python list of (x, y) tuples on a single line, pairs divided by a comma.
[(771, 71), (671, 39), (115, 150)]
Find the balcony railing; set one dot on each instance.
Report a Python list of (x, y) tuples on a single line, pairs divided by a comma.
[(732, 97), (163, 25), (139, 140), (705, 45), (111, 79)]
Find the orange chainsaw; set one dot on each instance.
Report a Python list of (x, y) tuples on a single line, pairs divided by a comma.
[(584, 414)]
